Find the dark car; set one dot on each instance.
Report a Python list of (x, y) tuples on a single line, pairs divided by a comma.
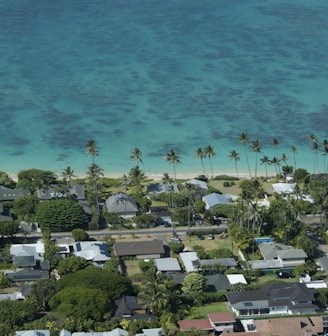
[(202, 178), (201, 237), (283, 275)]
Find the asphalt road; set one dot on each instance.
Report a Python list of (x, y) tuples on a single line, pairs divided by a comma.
[(180, 230)]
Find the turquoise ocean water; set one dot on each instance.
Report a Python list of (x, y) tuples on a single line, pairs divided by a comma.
[(160, 75)]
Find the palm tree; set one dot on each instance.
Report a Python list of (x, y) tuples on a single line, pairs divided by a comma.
[(234, 156), (136, 155), (315, 147), (173, 157), (68, 174), (276, 162), (136, 176), (94, 173), (274, 143), (265, 160), (125, 181), (243, 139), (200, 154), (325, 153), (256, 147), (209, 152), (154, 292), (91, 149), (294, 151)]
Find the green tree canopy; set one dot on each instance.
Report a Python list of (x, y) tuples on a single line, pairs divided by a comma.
[(15, 313), (25, 207), (80, 235), (82, 303), (71, 264), (60, 215), (41, 292), (6, 180), (194, 285), (8, 228), (35, 179), (92, 277)]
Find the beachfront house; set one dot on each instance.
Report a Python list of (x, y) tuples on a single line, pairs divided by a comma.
[(122, 204), (214, 199)]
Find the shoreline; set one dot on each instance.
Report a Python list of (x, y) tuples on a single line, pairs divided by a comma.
[(153, 175)]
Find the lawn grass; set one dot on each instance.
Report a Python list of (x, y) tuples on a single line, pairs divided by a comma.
[(216, 243), (132, 267), (214, 307)]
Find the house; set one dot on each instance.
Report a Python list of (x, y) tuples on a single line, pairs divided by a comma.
[(151, 332), (115, 332), (94, 251), (188, 259), (162, 213), (27, 255), (271, 299), (128, 307), (214, 199), (122, 204), (29, 274), (8, 194), (5, 214), (159, 188), (283, 326), (197, 183), (167, 265), (203, 264), (284, 188), (312, 283), (32, 333), (76, 191), (150, 249), (217, 322), (286, 255)]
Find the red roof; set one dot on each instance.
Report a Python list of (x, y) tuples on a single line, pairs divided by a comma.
[(200, 324), (221, 317)]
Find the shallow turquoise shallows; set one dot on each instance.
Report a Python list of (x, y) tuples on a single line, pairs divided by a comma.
[(161, 75)]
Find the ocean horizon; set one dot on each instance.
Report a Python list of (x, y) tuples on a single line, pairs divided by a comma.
[(179, 74)]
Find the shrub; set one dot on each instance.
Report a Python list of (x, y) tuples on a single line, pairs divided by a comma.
[(176, 247)]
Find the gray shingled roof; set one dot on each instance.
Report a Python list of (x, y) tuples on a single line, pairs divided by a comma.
[(121, 203)]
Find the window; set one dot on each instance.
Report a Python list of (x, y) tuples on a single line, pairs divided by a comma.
[(248, 304)]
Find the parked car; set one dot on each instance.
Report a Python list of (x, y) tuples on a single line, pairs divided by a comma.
[(202, 178), (201, 237), (175, 239), (167, 224), (283, 275), (210, 236)]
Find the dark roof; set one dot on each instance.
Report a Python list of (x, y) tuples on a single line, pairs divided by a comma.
[(281, 294), (24, 261), (217, 282), (277, 294), (126, 305), (8, 194), (134, 248), (248, 295), (28, 275)]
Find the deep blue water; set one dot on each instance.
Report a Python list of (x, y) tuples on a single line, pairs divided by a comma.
[(160, 75)]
